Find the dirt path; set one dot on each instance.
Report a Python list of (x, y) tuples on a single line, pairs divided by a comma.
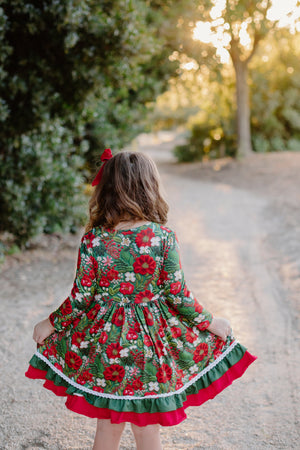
[(239, 232)]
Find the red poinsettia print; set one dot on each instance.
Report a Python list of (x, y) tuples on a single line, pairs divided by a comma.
[(203, 325), (200, 352), (98, 389), (103, 337), (93, 312), (112, 274), (73, 360), (143, 238), (86, 281), (164, 373), (190, 336), (147, 341), (159, 347), (144, 297), (119, 317), (113, 350), (144, 264), (148, 317), (115, 372), (126, 288), (66, 307), (175, 288), (198, 307), (89, 237), (176, 332), (137, 384), (77, 338)]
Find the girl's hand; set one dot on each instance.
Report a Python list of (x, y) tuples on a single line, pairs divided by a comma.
[(221, 327), (42, 330)]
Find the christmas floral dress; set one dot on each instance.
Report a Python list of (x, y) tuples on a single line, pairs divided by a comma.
[(131, 342)]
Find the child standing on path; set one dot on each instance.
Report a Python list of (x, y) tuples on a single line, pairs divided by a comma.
[(130, 343)]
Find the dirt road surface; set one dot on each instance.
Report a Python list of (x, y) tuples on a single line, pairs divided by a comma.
[(238, 223)]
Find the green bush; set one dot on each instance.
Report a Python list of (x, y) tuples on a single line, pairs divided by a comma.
[(40, 186)]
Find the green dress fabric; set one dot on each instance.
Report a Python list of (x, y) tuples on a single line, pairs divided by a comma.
[(131, 336)]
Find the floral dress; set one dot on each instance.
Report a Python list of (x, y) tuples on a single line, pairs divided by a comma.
[(131, 342)]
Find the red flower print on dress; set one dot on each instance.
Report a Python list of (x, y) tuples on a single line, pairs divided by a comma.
[(73, 360), (159, 347), (176, 332), (112, 274), (103, 337), (144, 264), (198, 307), (164, 373), (77, 338), (200, 352), (175, 288), (113, 350), (66, 307), (179, 384), (128, 391), (143, 238), (132, 335), (96, 327), (144, 297), (59, 367), (126, 288), (104, 282), (190, 336), (118, 317), (162, 277), (93, 312), (137, 327), (161, 331), (203, 325), (84, 377), (137, 384), (89, 237), (98, 389), (147, 341), (148, 317), (86, 281), (115, 372)]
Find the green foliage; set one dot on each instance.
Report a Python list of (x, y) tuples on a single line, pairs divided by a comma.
[(40, 185), (74, 78)]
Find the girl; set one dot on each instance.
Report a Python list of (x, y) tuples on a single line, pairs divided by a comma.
[(130, 343)]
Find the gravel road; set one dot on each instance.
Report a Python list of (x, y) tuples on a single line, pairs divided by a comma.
[(238, 224)]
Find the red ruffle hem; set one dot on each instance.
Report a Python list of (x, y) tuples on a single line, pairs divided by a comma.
[(78, 404)]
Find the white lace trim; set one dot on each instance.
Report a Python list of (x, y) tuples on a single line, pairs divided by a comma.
[(130, 397)]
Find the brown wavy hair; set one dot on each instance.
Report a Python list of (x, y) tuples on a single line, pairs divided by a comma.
[(129, 190)]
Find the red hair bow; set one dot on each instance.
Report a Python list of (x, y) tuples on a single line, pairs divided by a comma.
[(106, 155)]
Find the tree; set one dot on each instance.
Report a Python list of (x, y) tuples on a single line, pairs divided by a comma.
[(236, 27)]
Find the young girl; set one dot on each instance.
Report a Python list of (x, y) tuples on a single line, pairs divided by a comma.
[(130, 343)]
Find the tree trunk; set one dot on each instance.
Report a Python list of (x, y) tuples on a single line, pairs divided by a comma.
[(243, 108)]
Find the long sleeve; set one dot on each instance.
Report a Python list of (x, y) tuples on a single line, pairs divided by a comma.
[(83, 290), (177, 295)]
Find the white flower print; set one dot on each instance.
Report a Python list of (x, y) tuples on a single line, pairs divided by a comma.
[(179, 344), (79, 297), (124, 352), (149, 353), (129, 276), (194, 369), (155, 241), (125, 241), (153, 386), (177, 300), (145, 249), (62, 362), (173, 321), (84, 344), (177, 275), (200, 318), (96, 241), (161, 359), (195, 331), (114, 360), (107, 326), (100, 382), (74, 348)]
